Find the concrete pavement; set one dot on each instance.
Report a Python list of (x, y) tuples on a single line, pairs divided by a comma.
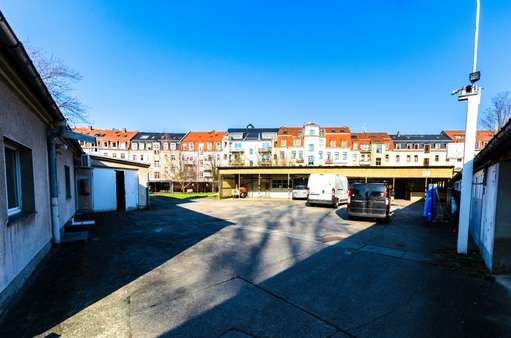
[(260, 269)]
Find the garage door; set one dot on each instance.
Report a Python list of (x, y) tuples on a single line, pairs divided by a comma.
[(131, 188), (103, 189)]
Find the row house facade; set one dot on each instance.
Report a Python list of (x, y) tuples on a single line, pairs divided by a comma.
[(114, 143), (420, 150), (455, 148), (201, 152), (312, 145), (371, 149), (249, 146), (160, 151)]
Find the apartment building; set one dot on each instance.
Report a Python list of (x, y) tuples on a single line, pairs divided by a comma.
[(161, 152), (313, 145), (371, 149), (289, 147), (338, 147), (419, 150), (249, 146), (455, 149), (201, 152), (114, 143)]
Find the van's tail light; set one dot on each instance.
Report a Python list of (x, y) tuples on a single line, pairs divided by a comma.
[(387, 199), (349, 199)]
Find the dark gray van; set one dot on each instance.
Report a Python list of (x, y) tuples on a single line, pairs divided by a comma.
[(369, 200)]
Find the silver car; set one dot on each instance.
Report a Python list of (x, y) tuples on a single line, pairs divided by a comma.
[(300, 191)]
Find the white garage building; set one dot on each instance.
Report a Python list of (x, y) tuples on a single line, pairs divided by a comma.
[(107, 184)]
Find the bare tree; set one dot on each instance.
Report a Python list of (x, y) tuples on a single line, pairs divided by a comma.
[(496, 116), (184, 175), (60, 80)]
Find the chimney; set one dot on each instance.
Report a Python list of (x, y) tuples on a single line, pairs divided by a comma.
[(90, 128), (398, 133), (124, 129)]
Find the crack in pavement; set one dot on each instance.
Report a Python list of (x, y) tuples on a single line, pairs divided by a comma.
[(282, 299)]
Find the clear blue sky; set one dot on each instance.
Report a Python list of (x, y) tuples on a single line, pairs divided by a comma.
[(180, 65)]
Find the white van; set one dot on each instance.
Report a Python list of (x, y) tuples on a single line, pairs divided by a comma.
[(330, 189)]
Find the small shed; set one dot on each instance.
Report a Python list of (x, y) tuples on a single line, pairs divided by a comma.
[(107, 184)]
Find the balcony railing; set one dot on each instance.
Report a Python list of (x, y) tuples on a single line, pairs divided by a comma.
[(265, 150), (237, 162)]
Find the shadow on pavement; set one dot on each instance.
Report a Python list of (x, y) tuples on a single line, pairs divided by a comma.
[(121, 248)]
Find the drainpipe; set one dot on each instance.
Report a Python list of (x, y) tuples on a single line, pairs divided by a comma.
[(54, 187)]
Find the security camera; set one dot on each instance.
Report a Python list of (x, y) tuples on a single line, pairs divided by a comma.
[(455, 91)]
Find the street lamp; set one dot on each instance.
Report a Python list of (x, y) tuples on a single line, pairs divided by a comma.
[(472, 94)]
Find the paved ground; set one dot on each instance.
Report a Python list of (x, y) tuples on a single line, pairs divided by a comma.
[(261, 269)]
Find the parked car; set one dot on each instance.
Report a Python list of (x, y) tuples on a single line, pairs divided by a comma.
[(299, 191), (369, 200), (329, 189)]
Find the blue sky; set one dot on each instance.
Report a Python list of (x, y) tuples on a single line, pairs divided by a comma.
[(180, 65)]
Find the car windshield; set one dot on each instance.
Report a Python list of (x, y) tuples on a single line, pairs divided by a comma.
[(299, 187)]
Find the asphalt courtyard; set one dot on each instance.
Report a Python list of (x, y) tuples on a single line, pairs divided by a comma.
[(260, 268)]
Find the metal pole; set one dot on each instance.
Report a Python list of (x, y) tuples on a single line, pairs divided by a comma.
[(473, 98), (54, 189), (476, 38)]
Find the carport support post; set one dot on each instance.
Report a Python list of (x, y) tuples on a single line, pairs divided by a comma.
[(288, 188), (365, 179)]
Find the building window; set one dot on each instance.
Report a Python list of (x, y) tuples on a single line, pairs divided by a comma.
[(387, 157), (344, 156), (148, 146), (296, 142), (354, 157), (172, 157), (191, 146), (173, 146), (114, 144), (333, 144), (18, 177), (398, 145), (378, 148), (13, 177), (218, 146), (282, 155), (336, 156), (157, 164), (320, 154), (123, 156), (209, 146), (408, 158), (311, 147), (293, 154), (156, 175), (251, 151), (344, 144), (114, 155), (283, 143), (134, 157), (310, 160), (312, 132), (67, 176), (141, 146), (378, 161), (416, 158), (398, 158), (105, 144), (134, 146), (355, 145), (156, 146), (437, 158), (141, 157), (300, 154), (122, 145)]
